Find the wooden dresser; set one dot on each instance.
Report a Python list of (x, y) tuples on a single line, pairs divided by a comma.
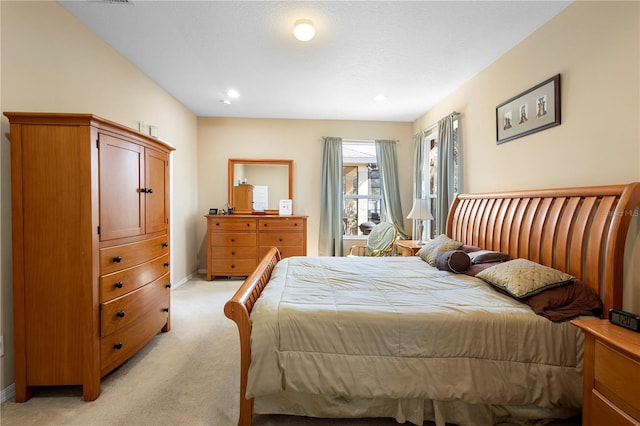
[(236, 243), (91, 275), (611, 394)]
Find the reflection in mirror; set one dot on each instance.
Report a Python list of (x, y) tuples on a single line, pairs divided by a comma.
[(259, 185)]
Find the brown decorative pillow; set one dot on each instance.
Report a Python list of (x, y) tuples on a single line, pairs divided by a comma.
[(454, 261), (438, 245), (488, 256)]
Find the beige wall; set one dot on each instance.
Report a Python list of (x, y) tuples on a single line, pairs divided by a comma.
[(299, 140), (52, 62), (595, 46)]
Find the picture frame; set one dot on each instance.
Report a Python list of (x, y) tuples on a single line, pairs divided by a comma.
[(533, 110)]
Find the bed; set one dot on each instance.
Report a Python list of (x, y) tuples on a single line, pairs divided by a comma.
[(333, 337)]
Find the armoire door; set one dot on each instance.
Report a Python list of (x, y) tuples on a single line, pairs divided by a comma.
[(156, 191), (122, 208)]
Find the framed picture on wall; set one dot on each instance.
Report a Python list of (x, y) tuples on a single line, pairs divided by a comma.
[(529, 112)]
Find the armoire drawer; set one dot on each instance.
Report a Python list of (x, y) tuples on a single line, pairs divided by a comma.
[(281, 239), (119, 283), (240, 252), (117, 347), (115, 258), (124, 310)]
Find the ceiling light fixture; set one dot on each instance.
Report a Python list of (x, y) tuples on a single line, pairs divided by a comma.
[(226, 101), (380, 98), (233, 93), (303, 30)]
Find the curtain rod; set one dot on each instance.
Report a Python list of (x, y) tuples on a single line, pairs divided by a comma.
[(354, 140), (434, 125)]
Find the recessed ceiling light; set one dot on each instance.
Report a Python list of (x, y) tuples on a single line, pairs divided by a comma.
[(303, 30), (233, 93), (380, 98), (226, 101)]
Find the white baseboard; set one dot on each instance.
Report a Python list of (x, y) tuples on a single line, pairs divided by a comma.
[(8, 393), (182, 281)]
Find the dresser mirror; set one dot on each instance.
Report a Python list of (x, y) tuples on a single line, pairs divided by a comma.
[(259, 185)]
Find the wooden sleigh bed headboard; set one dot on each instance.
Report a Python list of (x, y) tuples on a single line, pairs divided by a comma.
[(581, 231)]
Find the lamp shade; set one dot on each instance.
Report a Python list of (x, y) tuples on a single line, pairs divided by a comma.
[(420, 210)]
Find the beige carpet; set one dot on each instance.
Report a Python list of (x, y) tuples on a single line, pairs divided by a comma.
[(189, 376)]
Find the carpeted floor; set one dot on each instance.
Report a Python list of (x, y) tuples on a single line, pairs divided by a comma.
[(189, 376)]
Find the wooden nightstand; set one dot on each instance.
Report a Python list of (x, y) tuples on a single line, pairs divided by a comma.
[(407, 247), (611, 389)]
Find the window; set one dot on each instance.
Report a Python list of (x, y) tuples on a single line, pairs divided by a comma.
[(363, 207), (430, 171)]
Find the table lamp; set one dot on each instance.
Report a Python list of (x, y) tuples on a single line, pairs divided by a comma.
[(420, 211)]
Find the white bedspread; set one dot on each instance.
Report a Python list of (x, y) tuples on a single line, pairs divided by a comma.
[(398, 328)]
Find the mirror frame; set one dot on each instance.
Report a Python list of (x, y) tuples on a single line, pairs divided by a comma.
[(266, 162)]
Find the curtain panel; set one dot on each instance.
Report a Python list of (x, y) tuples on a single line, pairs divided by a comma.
[(388, 165), (445, 173), (331, 224), (419, 153)]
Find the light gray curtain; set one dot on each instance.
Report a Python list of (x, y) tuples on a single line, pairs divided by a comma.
[(331, 224), (390, 187), (419, 149), (444, 181)]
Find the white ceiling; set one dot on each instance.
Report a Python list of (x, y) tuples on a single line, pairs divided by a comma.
[(414, 52)]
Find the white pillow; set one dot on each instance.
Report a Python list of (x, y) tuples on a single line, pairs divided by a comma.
[(438, 245), (522, 277)]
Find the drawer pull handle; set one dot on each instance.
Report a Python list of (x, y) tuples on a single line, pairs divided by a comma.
[(168, 285), (117, 346), (166, 264), (146, 190), (120, 314), (233, 240), (165, 244), (217, 223), (117, 259), (295, 224), (265, 225), (233, 253), (248, 224), (165, 309), (233, 266), (119, 284), (280, 239)]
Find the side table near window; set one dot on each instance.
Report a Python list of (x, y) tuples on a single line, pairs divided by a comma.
[(407, 247)]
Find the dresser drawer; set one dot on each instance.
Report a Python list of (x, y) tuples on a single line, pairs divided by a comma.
[(281, 239), (281, 223), (233, 267), (124, 310), (120, 257), (119, 283), (604, 413), (119, 346), (225, 252), (238, 239), (617, 378), (285, 251), (222, 225)]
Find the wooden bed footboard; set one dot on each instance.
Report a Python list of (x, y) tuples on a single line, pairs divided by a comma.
[(238, 309)]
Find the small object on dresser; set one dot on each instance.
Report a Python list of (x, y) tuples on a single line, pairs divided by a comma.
[(213, 211), (625, 319), (285, 208)]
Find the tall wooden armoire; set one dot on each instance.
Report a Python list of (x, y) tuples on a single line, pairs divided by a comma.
[(91, 249)]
